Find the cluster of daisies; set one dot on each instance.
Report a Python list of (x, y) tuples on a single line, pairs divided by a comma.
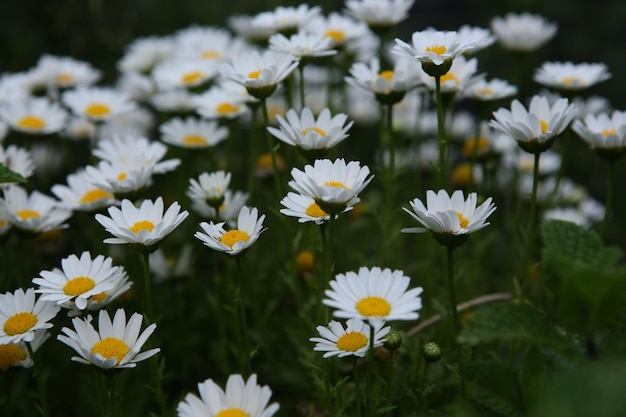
[(218, 79)]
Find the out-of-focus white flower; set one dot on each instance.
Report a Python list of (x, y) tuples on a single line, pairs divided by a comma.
[(461, 73), (184, 74), (222, 103), (480, 37), (569, 76), (523, 32), (388, 86), (174, 101), (97, 103), (339, 28), (286, 19), (192, 133), (483, 90), (207, 43), (135, 151), (302, 45), (37, 116), (233, 241), (143, 54), (67, 72), (80, 194), (379, 15), (17, 160), (34, 212)]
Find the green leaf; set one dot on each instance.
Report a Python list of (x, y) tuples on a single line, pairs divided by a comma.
[(512, 322), (496, 387), (6, 175)]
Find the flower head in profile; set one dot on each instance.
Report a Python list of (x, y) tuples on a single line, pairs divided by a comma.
[(78, 280), (447, 216), (373, 295), (210, 187), (145, 225), (603, 133), (80, 194), (567, 76), (34, 212), (311, 136), (285, 19), (225, 101), (98, 104), (305, 209), (234, 241), (332, 185), (523, 32), (341, 29), (379, 15), (192, 133), (388, 86), (241, 398), (116, 343), (353, 340), (534, 129), (17, 159), (304, 46), (259, 73), (488, 90), (189, 73), (461, 73), (22, 316), (17, 354), (36, 116)]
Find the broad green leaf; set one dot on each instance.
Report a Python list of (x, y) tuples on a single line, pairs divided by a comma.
[(6, 175), (496, 387)]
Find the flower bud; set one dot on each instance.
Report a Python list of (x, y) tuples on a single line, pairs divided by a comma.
[(431, 352), (393, 341)]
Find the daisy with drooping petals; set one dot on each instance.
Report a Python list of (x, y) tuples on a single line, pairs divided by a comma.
[(312, 136), (606, 134), (145, 225), (21, 316), (332, 185), (481, 37), (78, 280), (241, 398), (569, 76), (210, 187), (119, 177), (305, 209), (135, 151), (373, 295), (354, 340), (34, 212), (379, 15), (80, 193), (259, 73), (116, 344), (488, 90), (37, 116), (388, 86), (234, 241), (302, 45), (523, 32), (286, 20), (192, 133), (98, 104)]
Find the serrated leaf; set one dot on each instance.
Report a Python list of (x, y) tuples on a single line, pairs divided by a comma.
[(6, 175), (511, 322), (496, 388)]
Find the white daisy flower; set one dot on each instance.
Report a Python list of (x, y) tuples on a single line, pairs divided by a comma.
[(135, 151), (286, 19), (138, 86), (523, 32), (339, 28), (388, 86), (312, 136), (354, 340), (379, 14), (165, 267), (135, 123), (606, 134), (259, 73), (192, 133), (34, 212), (116, 344), (461, 73), (184, 74), (209, 187), (5, 221), (567, 214), (241, 398), (67, 72), (245, 27), (119, 177), (21, 316), (228, 210), (143, 54), (79, 128), (305, 209), (78, 280), (549, 163), (223, 102), (449, 215), (97, 104), (374, 295), (569, 76), (481, 37), (488, 90), (38, 116), (80, 194), (591, 105), (302, 45), (175, 101), (17, 354), (333, 185), (145, 225), (207, 43), (536, 128), (17, 160), (233, 242), (434, 47)]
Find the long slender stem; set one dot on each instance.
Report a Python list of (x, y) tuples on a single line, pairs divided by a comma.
[(452, 295), (41, 391), (252, 149), (243, 321), (609, 197), (420, 393), (145, 261), (301, 69), (112, 396), (441, 135), (389, 190), (357, 387), (370, 366), (277, 186), (531, 225)]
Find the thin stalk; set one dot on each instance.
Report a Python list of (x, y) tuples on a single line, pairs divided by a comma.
[(301, 70), (252, 149), (452, 295), (41, 391), (112, 396), (609, 197), (277, 186), (389, 382), (357, 386), (370, 366), (246, 367), (420, 393), (145, 261), (7, 394), (531, 225), (389, 190), (441, 134)]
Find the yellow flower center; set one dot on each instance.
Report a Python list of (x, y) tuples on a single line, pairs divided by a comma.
[(191, 77), (315, 211), (111, 347), (480, 145), (226, 108), (352, 341), (98, 110), (609, 132), (461, 175), (572, 81), (19, 323), (336, 184), (211, 54), (194, 140), (544, 126), (233, 236), (10, 355), (231, 412), (373, 306), (304, 260), (122, 176), (65, 78), (31, 122), (438, 49), (28, 214), (254, 74), (314, 129), (485, 91), (98, 298), (463, 221), (1, 223), (78, 286), (142, 225), (337, 35), (95, 195), (387, 75), (448, 76)]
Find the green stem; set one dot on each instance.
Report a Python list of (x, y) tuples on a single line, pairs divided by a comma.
[(420, 394), (41, 392), (252, 155), (112, 396), (301, 69), (370, 366), (145, 261), (609, 197), (357, 387), (531, 225), (389, 187), (441, 134), (452, 295), (246, 367), (272, 149)]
